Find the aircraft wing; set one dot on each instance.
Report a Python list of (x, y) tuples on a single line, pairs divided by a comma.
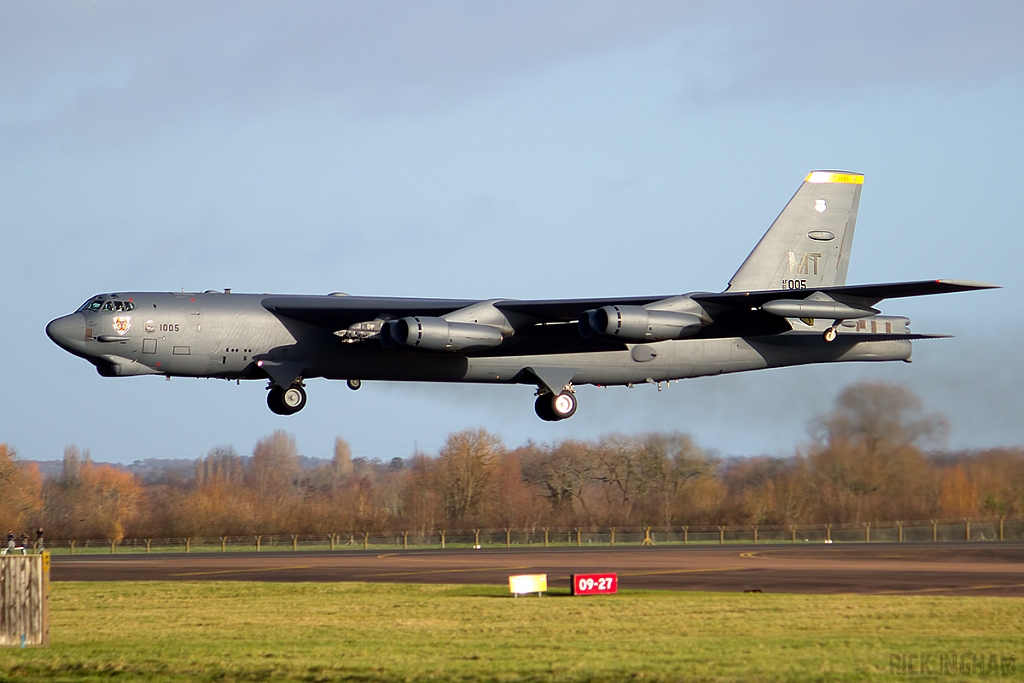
[(338, 312), (866, 295)]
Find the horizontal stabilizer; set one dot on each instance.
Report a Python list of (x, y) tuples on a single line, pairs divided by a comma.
[(859, 295)]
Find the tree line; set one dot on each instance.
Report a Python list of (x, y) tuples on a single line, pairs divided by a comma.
[(876, 456)]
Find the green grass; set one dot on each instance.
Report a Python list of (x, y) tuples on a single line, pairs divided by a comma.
[(234, 631)]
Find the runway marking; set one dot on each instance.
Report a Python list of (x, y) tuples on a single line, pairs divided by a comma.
[(241, 571), (453, 571), (682, 571), (752, 553)]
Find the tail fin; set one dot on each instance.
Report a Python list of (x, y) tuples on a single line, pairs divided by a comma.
[(809, 243)]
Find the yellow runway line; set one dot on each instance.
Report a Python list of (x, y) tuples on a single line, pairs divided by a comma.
[(961, 588), (241, 571), (683, 571)]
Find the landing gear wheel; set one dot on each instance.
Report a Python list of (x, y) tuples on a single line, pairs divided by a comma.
[(555, 407), (293, 399), (543, 408), (564, 405), (354, 384), (274, 401), (830, 334)]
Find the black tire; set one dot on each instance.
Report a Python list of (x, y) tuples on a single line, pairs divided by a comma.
[(354, 384), (543, 408), (563, 405), (275, 402), (830, 334)]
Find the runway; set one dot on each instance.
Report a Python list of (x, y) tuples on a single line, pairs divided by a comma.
[(872, 568)]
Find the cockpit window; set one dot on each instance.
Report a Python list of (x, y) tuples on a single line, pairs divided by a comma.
[(98, 304), (116, 305), (93, 304)]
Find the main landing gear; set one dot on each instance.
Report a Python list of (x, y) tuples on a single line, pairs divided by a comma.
[(286, 401), (831, 332), (552, 407)]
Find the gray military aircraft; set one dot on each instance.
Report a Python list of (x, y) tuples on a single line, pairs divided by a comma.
[(788, 304)]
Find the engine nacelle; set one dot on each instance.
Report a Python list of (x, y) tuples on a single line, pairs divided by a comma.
[(437, 334), (638, 324)]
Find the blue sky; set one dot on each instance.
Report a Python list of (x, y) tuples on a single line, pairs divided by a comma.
[(497, 150)]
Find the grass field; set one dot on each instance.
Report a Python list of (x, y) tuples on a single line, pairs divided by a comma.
[(233, 631)]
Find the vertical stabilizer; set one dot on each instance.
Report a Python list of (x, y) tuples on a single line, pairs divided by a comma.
[(809, 243)]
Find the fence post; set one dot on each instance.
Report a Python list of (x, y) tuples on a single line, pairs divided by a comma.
[(188, 544), (476, 538), (508, 537), (442, 538), (967, 527), (686, 535), (1001, 518), (828, 533), (149, 542), (366, 540), (545, 537), (613, 536), (258, 540), (112, 543), (579, 539), (647, 536), (330, 540), (295, 542), (792, 532), (755, 533), (71, 548), (899, 530), (867, 532), (935, 531), (405, 540)]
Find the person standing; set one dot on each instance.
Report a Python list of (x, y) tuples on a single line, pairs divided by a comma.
[(10, 542), (39, 539)]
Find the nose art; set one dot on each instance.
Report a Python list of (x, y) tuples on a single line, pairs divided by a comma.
[(67, 330)]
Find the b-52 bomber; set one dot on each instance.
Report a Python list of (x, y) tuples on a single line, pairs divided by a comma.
[(788, 304)]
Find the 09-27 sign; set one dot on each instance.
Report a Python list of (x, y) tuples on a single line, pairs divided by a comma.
[(595, 584)]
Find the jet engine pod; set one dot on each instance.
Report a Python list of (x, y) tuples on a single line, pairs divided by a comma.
[(636, 323), (437, 334)]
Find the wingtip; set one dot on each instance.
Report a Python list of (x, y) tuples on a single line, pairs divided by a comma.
[(969, 284)]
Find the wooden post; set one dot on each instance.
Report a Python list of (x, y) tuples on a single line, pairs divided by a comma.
[(476, 538), (686, 535), (188, 544), (1001, 518), (71, 548), (295, 542), (366, 540), (25, 600), (967, 527), (442, 539), (545, 537), (579, 538), (405, 540), (828, 533), (721, 535), (899, 530), (792, 531), (113, 542), (647, 536), (755, 533), (330, 540), (223, 544), (508, 538), (935, 531), (149, 543), (867, 532), (259, 539), (613, 537)]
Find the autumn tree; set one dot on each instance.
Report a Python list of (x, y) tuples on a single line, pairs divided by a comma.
[(21, 487)]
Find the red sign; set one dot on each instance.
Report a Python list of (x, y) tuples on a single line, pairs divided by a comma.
[(594, 584)]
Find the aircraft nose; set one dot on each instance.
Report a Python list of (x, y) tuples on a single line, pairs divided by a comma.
[(67, 330)]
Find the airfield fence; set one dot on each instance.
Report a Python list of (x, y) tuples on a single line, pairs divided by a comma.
[(940, 530)]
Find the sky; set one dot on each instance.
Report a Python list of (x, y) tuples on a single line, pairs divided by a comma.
[(482, 150)]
